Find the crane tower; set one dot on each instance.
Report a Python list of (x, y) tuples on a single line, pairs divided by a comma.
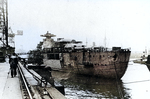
[(4, 46), (3, 23)]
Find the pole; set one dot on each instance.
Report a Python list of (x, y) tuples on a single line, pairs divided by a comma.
[(6, 27)]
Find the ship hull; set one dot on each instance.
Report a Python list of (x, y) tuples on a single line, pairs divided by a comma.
[(107, 64), (111, 71)]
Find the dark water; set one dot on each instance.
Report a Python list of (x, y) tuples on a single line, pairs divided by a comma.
[(135, 84)]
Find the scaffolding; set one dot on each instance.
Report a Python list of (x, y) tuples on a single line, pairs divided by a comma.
[(4, 35)]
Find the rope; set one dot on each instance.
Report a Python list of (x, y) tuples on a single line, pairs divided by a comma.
[(136, 81)]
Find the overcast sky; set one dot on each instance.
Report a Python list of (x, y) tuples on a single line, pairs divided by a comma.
[(124, 23)]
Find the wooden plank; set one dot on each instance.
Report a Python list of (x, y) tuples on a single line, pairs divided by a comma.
[(55, 94)]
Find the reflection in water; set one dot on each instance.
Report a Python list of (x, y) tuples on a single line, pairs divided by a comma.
[(80, 87), (135, 84)]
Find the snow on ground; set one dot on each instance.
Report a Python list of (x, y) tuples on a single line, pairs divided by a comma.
[(10, 87)]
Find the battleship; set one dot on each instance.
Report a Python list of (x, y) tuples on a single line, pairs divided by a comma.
[(71, 55)]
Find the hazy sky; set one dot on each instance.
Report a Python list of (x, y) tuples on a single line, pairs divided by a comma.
[(125, 23)]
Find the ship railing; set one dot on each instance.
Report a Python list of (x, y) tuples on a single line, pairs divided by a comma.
[(73, 49), (67, 50)]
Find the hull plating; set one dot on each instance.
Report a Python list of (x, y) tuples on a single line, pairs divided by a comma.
[(108, 64)]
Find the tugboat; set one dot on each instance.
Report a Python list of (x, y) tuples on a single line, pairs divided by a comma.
[(72, 55)]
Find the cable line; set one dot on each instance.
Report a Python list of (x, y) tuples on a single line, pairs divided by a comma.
[(136, 81)]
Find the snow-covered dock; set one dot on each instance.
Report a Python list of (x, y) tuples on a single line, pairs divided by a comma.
[(10, 87)]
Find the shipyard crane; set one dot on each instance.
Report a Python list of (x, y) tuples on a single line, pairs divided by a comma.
[(4, 45)]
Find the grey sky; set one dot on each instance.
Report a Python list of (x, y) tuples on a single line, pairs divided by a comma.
[(125, 23)]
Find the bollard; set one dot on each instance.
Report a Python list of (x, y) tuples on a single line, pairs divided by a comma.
[(43, 82)]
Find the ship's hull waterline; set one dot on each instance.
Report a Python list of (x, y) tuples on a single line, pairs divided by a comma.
[(108, 64)]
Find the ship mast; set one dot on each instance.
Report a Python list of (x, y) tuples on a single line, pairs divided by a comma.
[(105, 39)]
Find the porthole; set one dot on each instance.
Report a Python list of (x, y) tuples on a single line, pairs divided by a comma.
[(100, 57)]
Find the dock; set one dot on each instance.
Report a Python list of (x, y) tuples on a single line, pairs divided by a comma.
[(10, 87)]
